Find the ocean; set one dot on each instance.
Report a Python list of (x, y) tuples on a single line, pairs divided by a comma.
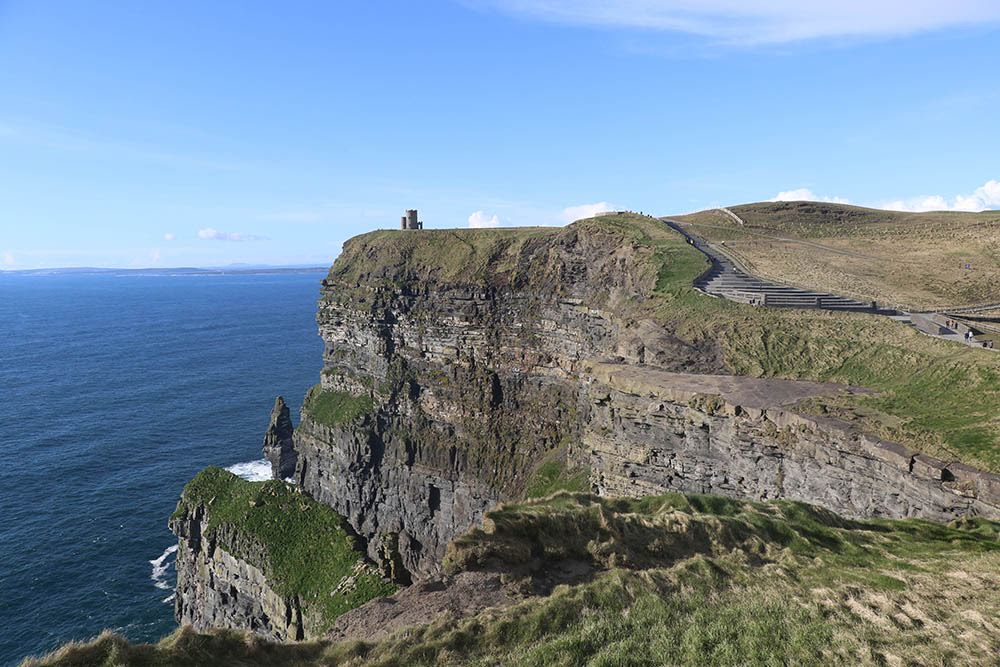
[(115, 391)]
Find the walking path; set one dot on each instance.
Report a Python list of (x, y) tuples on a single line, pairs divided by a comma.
[(727, 278)]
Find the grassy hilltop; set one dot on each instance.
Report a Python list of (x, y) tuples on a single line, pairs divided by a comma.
[(915, 260)]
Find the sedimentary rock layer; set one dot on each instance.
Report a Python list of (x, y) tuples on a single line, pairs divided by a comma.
[(650, 432), (216, 589)]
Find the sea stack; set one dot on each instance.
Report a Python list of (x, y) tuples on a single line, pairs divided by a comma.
[(278, 441)]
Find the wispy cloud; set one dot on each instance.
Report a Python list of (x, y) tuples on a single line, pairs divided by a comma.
[(479, 220), (574, 213), (71, 140), (7, 259), (761, 21), (210, 234), (169, 236)]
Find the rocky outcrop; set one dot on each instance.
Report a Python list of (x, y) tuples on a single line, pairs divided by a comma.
[(262, 556), (650, 432), (278, 446), (216, 589)]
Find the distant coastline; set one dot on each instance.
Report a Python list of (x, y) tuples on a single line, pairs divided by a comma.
[(236, 269)]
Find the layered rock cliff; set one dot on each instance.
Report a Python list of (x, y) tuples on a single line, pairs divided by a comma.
[(460, 365), (472, 370), (649, 432), (456, 363)]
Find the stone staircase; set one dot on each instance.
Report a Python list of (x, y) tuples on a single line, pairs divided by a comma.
[(727, 280)]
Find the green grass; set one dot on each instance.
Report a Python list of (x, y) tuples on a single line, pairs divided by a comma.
[(308, 549), (553, 475), (447, 255), (333, 408), (678, 580)]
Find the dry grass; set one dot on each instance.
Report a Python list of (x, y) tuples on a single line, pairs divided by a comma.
[(914, 260), (680, 580)]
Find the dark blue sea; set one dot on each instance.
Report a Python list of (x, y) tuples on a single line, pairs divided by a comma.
[(114, 391)]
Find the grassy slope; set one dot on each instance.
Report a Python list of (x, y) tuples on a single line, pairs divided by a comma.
[(448, 255), (335, 407), (939, 397), (309, 550), (915, 260), (693, 580)]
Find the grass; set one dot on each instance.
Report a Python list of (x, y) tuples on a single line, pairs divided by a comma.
[(307, 548), (914, 260), (679, 580), (553, 475), (447, 255), (333, 408)]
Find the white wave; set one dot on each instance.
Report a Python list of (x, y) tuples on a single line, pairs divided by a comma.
[(169, 598), (252, 471), (160, 568)]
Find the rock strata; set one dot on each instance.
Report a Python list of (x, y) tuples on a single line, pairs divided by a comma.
[(216, 589), (650, 432)]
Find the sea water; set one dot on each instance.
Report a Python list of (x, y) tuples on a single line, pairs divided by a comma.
[(115, 390)]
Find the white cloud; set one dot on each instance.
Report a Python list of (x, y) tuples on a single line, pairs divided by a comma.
[(986, 196), (805, 194), (7, 259), (762, 21), (154, 255), (574, 213), (210, 234), (479, 220), (169, 236)]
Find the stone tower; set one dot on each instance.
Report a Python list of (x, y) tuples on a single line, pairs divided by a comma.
[(409, 221)]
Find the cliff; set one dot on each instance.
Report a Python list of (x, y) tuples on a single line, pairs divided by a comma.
[(466, 349), (264, 557), (458, 365)]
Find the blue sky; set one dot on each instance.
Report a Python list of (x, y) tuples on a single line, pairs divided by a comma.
[(202, 133)]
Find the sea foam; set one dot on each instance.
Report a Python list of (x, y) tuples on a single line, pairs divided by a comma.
[(252, 471), (161, 566)]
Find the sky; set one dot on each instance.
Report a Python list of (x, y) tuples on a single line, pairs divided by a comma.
[(182, 133)]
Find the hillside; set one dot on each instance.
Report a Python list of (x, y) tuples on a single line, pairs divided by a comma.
[(914, 260), (670, 580)]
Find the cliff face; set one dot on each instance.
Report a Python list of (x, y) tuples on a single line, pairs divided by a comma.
[(456, 363), (216, 589), (649, 432), (472, 370), (264, 557)]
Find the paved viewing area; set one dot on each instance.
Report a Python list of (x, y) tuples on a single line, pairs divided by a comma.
[(726, 279)]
